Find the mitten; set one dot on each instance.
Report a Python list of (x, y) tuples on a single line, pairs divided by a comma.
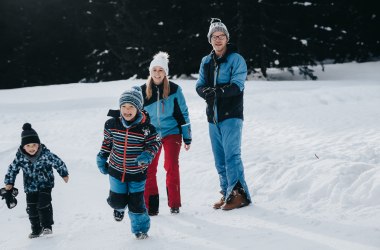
[(9, 196), (102, 164), (144, 159)]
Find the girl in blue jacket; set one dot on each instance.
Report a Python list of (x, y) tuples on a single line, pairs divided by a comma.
[(169, 114)]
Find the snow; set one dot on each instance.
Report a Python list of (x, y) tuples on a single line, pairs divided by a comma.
[(310, 148)]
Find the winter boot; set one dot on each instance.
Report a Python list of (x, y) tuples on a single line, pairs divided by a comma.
[(174, 210), (141, 236), (236, 200), (219, 203), (117, 215), (36, 232), (47, 231)]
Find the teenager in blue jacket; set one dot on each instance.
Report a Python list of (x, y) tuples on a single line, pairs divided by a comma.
[(221, 81), (169, 114)]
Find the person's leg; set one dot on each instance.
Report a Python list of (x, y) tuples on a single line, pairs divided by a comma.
[(140, 221), (219, 156), (151, 194), (118, 197), (231, 130), (45, 209), (34, 218), (172, 147)]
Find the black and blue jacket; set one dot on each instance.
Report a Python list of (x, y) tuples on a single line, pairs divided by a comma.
[(228, 72), (170, 116), (37, 170)]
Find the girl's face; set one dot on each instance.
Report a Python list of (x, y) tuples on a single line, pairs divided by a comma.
[(128, 111), (31, 148), (158, 74)]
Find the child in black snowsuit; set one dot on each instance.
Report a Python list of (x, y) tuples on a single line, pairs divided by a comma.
[(37, 163)]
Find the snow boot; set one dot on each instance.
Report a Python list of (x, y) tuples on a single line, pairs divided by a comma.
[(47, 231), (174, 210), (220, 203), (141, 236), (236, 200), (118, 216), (35, 233)]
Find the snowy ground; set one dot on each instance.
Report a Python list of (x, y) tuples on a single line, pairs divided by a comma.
[(311, 151)]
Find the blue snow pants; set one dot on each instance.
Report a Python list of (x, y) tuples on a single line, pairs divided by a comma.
[(130, 195), (226, 146)]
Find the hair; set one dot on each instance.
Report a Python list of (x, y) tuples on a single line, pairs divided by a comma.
[(149, 83)]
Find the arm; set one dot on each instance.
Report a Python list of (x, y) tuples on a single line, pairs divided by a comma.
[(105, 151), (59, 165), (12, 172), (181, 114), (152, 145), (201, 82)]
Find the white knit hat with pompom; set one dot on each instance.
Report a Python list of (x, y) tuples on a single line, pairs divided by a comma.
[(160, 59)]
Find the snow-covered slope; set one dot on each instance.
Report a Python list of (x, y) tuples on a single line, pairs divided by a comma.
[(311, 153)]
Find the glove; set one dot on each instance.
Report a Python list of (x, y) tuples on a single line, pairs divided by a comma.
[(211, 93), (102, 164), (9, 196), (144, 159)]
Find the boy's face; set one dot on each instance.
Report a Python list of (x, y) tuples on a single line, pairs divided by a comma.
[(128, 111), (31, 148), (158, 74)]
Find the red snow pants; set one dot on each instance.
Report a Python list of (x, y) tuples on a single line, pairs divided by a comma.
[(172, 147)]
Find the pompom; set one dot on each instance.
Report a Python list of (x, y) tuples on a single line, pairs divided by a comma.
[(162, 55), (136, 88), (27, 126)]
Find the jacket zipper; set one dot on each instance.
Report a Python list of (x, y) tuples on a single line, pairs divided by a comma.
[(158, 110), (125, 155), (215, 108)]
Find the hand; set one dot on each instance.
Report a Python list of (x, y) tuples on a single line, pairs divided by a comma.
[(209, 93), (144, 159), (186, 147), (66, 179), (102, 164)]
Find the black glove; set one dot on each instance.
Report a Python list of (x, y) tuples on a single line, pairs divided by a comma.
[(9, 196), (211, 93)]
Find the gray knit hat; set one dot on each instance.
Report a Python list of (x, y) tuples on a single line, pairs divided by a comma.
[(29, 135), (217, 25), (133, 96)]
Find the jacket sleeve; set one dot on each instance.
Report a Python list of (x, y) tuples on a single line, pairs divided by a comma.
[(152, 141), (238, 73), (201, 82), (12, 172), (59, 165), (183, 118), (107, 140)]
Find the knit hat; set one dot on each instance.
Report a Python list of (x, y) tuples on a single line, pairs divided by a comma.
[(217, 25), (29, 135), (160, 59), (133, 96)]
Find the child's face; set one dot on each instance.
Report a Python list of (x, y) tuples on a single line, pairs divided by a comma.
[(31, 148), (128, 111), (158, 74)]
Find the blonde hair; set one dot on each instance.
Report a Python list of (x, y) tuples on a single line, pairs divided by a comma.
[(149, 91)]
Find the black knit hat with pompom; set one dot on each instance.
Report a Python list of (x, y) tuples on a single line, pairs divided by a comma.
[(29, 135)]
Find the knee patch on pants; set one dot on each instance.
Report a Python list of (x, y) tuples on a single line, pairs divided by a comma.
[(117, 201), (136, 203)]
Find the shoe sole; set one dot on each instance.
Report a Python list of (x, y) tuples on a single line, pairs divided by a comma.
[(241, 205)]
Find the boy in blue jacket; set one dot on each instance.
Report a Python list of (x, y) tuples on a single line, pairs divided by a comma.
[(130, 144), (37, 163)]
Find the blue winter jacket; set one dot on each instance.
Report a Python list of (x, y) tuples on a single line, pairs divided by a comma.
[(37, 171), (228, 72), (170, 116)]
